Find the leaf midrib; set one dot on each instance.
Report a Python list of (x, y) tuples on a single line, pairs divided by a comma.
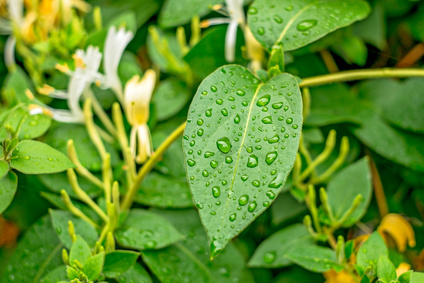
[(241, 147)]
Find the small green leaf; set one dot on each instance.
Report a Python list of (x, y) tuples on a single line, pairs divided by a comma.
[(314, 258), (136, 273), (345, 186), (4, 168), (177, 12), (59, 273), (170, 97), (94, 266), (296, 23), (37, 254), (386, 271), (164, 191), (80, 251), (271, 252), (60, 221), (33, 126), (34, 157), (118, 262), (8, 186), (146, 230), (240, 144), (405, 277), (369, 253)]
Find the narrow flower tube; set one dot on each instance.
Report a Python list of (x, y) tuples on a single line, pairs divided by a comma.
[(137, 95)]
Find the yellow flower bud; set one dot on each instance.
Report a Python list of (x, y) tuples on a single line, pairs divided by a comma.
[(395, 228)]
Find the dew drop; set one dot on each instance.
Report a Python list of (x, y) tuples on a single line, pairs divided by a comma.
[(200, 122), (289, 120), (216, 192), (252, 10), (219, 101), (233, 217), (27, 157), (244, 178), (267, 120), (191, 162), (266, 203), (295, 126), (240, 92), (274, 139), (270, 194), (252, 161), (289, 8), (213, 88), (204, 92), (264, 100), (205, 173), (214, 164), (270, 157), (224, 144), (237, 119), (278, 20), (306, 25), (243, 200), (209, 154), (269, 257), (228, 159), (224, 112), (200, 132), (277, 105), (261, 31), (277, 181), (208, 112), (252, 206), (256, 183)]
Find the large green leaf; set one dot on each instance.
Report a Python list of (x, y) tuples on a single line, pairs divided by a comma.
[(8, 185), (240, 144), (370, 251), (146, 230), (180, 12), (34, 157), (271, 252), (296, 23), (118, 262), (61, 218), (345, 186), (164, 191), (37, 254), (135, 274), (190, 258), (314, 258)]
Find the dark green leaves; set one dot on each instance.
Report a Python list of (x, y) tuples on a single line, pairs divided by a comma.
[(118, 262), (240, 144), (33, 157), (296, 23), (271, 253), (146, 230), (345, 186), (8, 185), (314, 258)]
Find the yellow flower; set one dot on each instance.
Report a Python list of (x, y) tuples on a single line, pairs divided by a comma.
[(402, 268), (395, 228), (137, 95), (338, 277)]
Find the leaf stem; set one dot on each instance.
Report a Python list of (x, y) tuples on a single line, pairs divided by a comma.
[(130, 195), (354, 75)]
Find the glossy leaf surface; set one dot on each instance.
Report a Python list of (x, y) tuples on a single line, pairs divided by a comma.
[(296, 23), (240, 144)]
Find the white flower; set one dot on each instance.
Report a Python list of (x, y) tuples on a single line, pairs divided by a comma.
[(86, 72), (116, 42), (137, 95), (234, 10)]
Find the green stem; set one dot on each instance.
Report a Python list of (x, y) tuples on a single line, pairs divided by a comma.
[(129, 197), (360, 75)]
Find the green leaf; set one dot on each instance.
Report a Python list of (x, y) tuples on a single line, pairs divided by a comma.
[(400, 103), (58, 182), (369, 253), (59, 273), (178, 12), (80, 251), (37, 254), (4, 168), (240, 144), (34, 157), (286, 207), (94, 266), (417, 277), (164, 191), (8, 186), (58, 137), (314, 258), (345, 186), (33, 126), (296, 23), (136, 273), (352, 49), (190, 260), (146, 230), (386, 271), (14, 87), (209, 53), (170, 97), (118, 262), (60, 221), (405, 277), (373, 29), (271, 252)]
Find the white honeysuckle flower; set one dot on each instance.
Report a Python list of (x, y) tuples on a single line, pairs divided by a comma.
[(137, 95), (116, 42), (234, 10)]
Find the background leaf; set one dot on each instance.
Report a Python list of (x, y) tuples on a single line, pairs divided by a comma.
[(118, 262), (34, 157), (8, 186), (296, 23), (370, 251), (234, 174)]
